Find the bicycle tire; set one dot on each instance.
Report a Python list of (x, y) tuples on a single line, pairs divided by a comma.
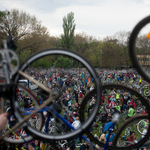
[(126, 124), (126, 142), (29, 138), (132, 51), (138, 124), (51, 146), (127, 131), (92, 72), (111, 86)]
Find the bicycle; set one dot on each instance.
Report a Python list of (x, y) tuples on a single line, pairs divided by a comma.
[(16, 136), (140, 56), (10, 63), (141, 125), (84, 106), (121, 129)]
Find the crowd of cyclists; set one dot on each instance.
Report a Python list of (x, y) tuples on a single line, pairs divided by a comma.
[(75, 83)]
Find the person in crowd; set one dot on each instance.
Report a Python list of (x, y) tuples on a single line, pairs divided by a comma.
[(103, 98), (132, 103), (84, 146), (113, 93), (111, 136), (76, 124), (72, 108), (121, 103), (91, 88), (65, 101), (112, 98), (109, 117), (109, 100), (83, 90), (117, 96), (117, 108), (69, 104), (131, 112), (80, 94), (104, 120), (102, 140), (112, 104), (71, 119), (76, 96), (125, 101), (37, 145), (131, 138)]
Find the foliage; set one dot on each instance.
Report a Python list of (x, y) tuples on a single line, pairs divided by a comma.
[(67, 39), (25, 30), (23, 57), (123, 38), (16, 24), (95, 53), (63, 62), (2, 14), (54, 42), (43, 62), (30, 37)]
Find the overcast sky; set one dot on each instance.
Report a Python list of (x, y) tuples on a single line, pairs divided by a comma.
[(98, 18)]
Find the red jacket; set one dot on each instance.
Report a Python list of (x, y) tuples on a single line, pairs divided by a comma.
[(80, 95), (109, 99), (112, 104), (103, 98)]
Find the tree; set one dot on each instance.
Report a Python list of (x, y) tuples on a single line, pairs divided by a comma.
[(94, 53), (123, 38), (63, 62), (16, 24), (80, 44), (33, 42), (54, 41), (67, 39), (2, 14), (25, 30), (142, 48), (111, 53)]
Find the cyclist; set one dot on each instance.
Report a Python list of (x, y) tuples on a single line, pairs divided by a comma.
[(144, 131), (111, 136), (37, 145), (109, 117), (117, 96), (131, 112), (76, 124), (112, 105), (125, 101), (84, 146), (103, 140), (117, 107), (131, 138), (103, 120), (132, 103)]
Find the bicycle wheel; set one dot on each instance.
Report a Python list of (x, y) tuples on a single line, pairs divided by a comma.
[(19, 136), (139, 47), (132, 120), (127, 131), (49, 146), (124, 144), (94, 129), (141, 125), (51, 76)]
